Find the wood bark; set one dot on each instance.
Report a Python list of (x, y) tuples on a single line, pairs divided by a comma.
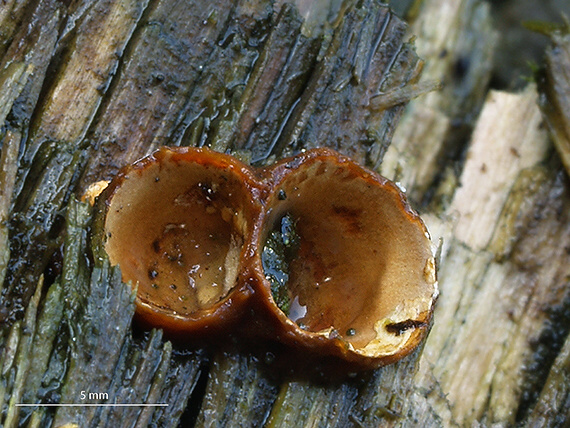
[(87, 87)]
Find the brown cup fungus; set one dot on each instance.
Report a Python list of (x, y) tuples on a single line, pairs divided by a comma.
[(328, 256), (176, 224), (360, 279)]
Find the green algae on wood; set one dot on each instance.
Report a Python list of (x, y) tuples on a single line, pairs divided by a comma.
[(280, 248)]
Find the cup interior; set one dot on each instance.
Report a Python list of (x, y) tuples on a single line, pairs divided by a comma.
[(177, 227), (359, 253)]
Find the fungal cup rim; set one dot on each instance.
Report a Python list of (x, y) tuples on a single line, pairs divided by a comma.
[(251, 292), (223, 312), (328, 339)]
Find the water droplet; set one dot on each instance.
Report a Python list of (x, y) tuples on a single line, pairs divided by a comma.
[(269, 358), (297, 311)]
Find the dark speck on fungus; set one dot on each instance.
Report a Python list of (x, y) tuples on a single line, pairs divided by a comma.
[(345, 298), (327, 256), (187, 214)]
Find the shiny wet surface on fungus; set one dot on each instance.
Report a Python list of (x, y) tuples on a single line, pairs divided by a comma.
[(321, 254), (361, 255), (177, 227)]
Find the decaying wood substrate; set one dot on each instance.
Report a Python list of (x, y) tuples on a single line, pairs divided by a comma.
[(90, 86)]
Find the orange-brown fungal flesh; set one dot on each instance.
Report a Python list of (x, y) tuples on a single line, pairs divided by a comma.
[(362, 283), (176, 224), (189, 226)]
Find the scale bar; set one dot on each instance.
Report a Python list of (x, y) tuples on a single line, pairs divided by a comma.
[(91, 405)]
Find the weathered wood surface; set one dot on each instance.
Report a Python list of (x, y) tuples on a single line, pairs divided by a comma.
[(89, 86)]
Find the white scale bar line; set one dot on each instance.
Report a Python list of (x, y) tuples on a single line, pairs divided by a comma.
[(90, 405)]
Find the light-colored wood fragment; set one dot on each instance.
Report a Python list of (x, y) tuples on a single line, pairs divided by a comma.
[(456, 39), (499, 266), (412, 157), (85, 74), (508, 138)]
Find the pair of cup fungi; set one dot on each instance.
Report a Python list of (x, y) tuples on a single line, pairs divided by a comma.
[(316, 253)]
